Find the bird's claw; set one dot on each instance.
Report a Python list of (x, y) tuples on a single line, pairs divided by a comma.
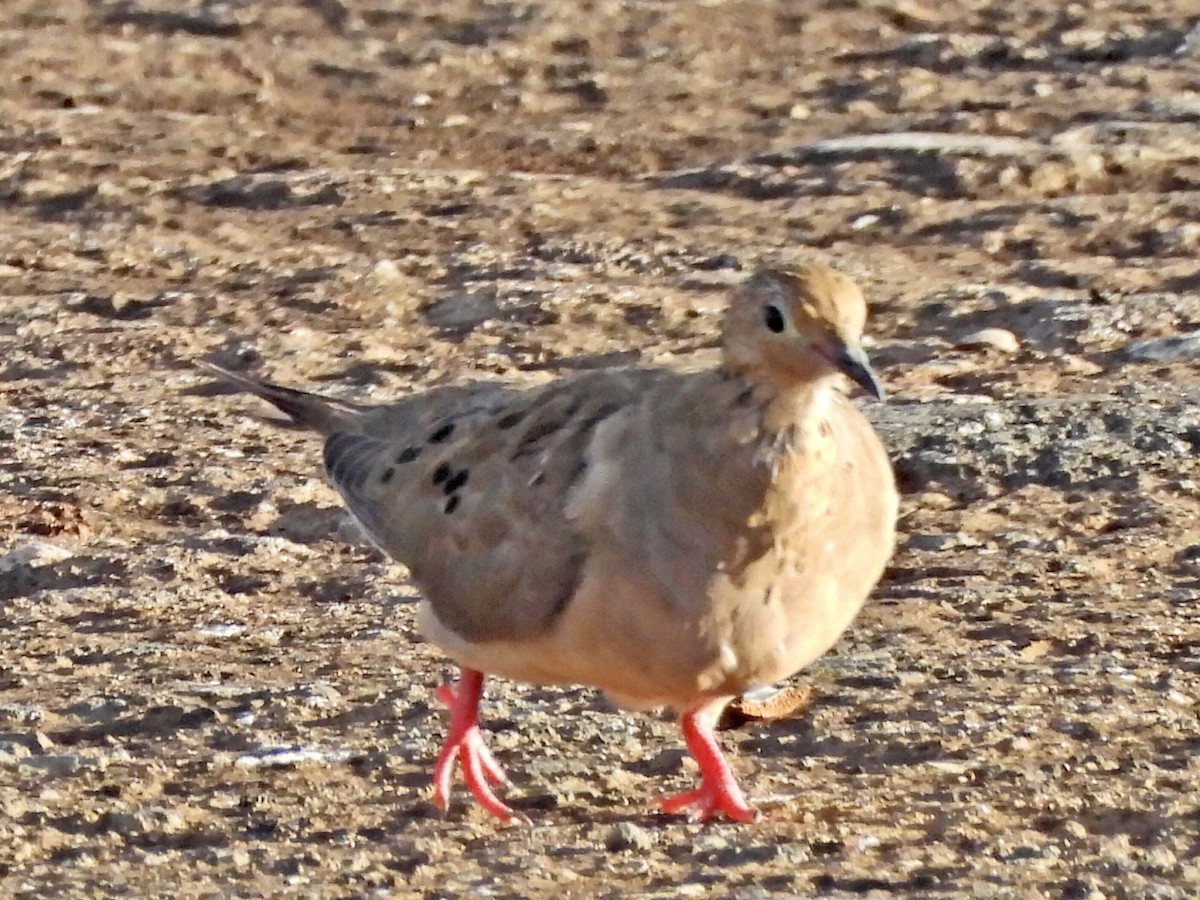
[(706, 803), (465, 747)]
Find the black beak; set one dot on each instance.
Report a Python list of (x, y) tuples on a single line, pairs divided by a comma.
[(854, 363)]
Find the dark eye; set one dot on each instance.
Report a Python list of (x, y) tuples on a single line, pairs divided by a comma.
[(773, 318)]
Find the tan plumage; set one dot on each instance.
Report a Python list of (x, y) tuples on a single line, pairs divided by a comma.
[(673, 538)]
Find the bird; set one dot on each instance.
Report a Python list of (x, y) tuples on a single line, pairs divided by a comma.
[(675, 537)]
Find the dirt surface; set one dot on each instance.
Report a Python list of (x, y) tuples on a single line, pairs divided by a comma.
[(210, 686)]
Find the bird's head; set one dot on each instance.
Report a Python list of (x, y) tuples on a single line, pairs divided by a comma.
[(796, 326)]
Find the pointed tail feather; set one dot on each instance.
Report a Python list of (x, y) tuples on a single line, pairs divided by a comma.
[(305, 410)]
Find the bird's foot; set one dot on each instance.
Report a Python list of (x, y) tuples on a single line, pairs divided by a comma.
[(464, 746), (472, 741), (719, 793), (709, 801)]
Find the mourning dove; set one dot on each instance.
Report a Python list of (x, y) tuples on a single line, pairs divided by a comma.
[(674, 538)]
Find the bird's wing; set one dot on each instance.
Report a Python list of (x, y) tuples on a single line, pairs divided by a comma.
[(472, 498)]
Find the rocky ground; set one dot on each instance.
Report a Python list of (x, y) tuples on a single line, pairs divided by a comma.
[(210, 686)]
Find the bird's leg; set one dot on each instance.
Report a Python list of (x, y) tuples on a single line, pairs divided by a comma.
[(474, 737), (464, 744), (719, 791)]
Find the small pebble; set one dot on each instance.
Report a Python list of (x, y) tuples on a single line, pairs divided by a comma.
[(867, 842), (937, 542), (1075, 829), (386, 270), (627, 836), (998, 338), (1077, 365)]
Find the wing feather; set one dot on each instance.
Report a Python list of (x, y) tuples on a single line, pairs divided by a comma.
[(472, 497)]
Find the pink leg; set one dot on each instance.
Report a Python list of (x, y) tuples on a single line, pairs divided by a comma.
[(464, 744), (719, 791)]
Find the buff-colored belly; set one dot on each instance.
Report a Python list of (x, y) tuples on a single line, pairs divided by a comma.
[(644, 649)]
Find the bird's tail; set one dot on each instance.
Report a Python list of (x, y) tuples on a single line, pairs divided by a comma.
[(304, 410)]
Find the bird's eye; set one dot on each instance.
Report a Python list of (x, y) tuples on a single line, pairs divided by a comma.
[(773, 318)]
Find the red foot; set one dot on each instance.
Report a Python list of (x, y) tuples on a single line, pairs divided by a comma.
[(719, 793), (464, 744)]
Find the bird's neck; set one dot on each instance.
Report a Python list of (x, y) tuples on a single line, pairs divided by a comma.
[(788, 402)]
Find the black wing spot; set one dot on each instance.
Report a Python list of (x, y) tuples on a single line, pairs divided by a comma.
[(387, 474), (441, 473), (451, 504), (455, 481), (580, 467), (602, 413), (442, 434), (407, 455), (573, 407), (537, 433), (570, 584), (510, 420)]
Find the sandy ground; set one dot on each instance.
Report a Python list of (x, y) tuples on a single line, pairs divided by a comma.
[(209, 686)]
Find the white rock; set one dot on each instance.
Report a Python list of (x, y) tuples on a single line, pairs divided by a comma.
[(999, 338), (221, 630), (386, 270), (274, 757), (867, 842)]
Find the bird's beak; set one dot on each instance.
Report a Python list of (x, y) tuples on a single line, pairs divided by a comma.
[(852, 361)]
